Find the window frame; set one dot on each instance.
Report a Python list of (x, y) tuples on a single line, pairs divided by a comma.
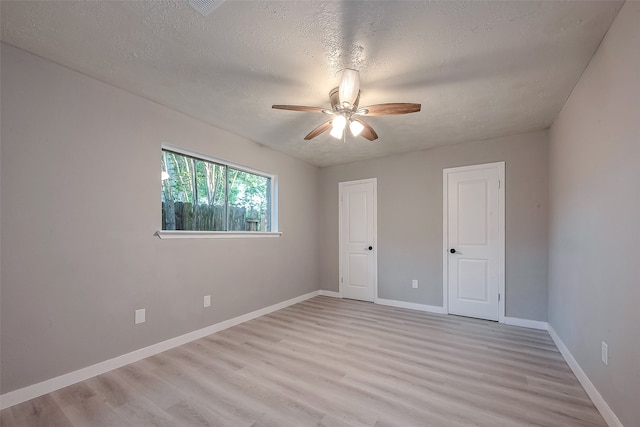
[(195, 234)]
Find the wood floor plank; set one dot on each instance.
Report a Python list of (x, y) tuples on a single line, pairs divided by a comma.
[(6, 418), (334, 363), (93, 412), (42, 411), (73, 394), (393, 371)]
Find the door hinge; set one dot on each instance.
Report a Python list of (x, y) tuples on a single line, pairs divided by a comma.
[(498, 297), (341, 281), (499, 184)]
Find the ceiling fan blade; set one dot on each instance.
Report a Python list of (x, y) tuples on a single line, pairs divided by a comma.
[(317, 131), (368, 131), (302, 108), (389, 109)]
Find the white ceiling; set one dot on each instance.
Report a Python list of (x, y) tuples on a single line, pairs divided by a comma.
[(479, 69)]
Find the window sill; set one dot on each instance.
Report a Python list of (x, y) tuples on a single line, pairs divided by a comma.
[(179, 234)]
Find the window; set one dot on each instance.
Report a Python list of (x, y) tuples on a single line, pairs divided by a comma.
[(200, 194)]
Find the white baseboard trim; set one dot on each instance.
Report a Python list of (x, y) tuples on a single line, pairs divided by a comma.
[(332, 294), (30, 392), (526, 323), (609, 416), (410, 305)]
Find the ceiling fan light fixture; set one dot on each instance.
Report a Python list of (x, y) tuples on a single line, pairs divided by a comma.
[(336, 132), (337, 126), (339, 122), (349, 86), (356, 128), (345, 101)]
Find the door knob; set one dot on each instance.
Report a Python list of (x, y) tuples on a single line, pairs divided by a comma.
[(370, 248), (453, 251)]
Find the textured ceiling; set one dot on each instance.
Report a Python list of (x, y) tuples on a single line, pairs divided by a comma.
[(479, 69)]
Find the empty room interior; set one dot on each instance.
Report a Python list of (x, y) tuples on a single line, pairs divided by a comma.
[(320, 213)]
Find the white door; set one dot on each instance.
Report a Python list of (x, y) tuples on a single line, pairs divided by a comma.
[(358, 239), (474, 240)]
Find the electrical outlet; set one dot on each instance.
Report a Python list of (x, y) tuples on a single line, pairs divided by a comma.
[(207, 300), (140, 316), (605, 353), (414, 284)]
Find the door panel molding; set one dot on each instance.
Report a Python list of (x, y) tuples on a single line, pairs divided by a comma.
[(500, 168), (341, 225)]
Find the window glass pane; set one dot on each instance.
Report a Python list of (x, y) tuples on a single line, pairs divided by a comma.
[(177, 189), (177, 182), (208, 212), (193, 194), (201, 195), (249, 201)]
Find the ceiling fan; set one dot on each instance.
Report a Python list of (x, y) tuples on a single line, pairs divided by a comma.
[(345, 110)]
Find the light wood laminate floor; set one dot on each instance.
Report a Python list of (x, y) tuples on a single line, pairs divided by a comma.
[(333, 362)]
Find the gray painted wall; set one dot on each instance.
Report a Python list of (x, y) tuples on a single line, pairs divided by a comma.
[(410, 220), (594, 257), (80, 206)]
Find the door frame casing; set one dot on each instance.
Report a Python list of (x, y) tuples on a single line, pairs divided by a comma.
[(341, 186), (500, 166)]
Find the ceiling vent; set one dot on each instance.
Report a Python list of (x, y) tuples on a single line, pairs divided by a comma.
[(205, 7)]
